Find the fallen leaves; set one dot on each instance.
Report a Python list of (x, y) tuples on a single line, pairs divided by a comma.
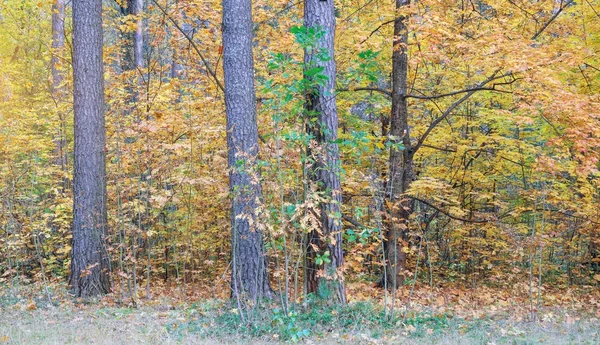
[(31, 305)]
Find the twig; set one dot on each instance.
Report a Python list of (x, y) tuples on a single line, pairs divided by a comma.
[(446, 213), (448, 111), (483, 88), (375, 89), (193, 44), (377, 29)]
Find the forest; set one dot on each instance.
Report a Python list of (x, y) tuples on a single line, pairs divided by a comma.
[(330, 171)]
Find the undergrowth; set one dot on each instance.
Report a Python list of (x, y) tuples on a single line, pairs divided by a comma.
[(304, 321)]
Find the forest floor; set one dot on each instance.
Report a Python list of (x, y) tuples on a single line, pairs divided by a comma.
[(30, 319)]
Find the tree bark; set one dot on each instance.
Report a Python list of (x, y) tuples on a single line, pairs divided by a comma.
[(89, 259), (401, 165), (322, 126), (249, 280)]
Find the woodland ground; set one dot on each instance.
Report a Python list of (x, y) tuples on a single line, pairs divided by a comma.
[(28, 318)]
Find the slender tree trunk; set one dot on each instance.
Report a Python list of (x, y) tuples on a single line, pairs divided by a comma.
[(136, 8), (401, 165), (132, 61), (58, 90), (89, 259), (58, 46), (133, 45), (322, 125), (249, 272)]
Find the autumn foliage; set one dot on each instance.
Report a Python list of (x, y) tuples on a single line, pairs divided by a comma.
[(504, 116)]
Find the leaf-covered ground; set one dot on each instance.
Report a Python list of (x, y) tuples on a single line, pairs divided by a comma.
[(30, 319)]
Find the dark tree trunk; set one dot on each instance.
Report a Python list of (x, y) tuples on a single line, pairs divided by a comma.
[(322, 125), (89, 259), (249, 272), (401, 166)]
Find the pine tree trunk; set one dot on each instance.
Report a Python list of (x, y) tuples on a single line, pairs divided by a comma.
[(89, 259), (322, 125), (401, 165), (249, 279)]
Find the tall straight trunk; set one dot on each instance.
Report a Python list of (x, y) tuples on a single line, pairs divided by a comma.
[(133, 46), (58, 46), (401, 165), (135, 8), (89, 259), (138, 37), (58, 90), (322, 125), (249, 278)]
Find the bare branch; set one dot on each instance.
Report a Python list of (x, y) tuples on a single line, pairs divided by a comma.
[(593, 9), (537, 34), (592, 67), (446, 213), (375, 89), (377, 29), (450, 109), (453, 93), (212, 73), (445, 149)]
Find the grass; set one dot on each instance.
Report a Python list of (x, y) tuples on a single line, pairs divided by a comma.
[(215, 322), (30, 319)]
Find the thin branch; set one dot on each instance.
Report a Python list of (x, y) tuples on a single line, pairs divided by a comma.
[(454, 106), (377, 29), (353, 222), (212, 73), (439, 148), (529, 14), (489, 88), (512, 161), (537, 34), (289, 7), (592, 67), (375, 89), (509, 213), (358, 10), (550, 123), (446, 213), (593, 9), (453, 93)]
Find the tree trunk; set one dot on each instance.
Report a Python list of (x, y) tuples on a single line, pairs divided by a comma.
[(401, 166), (249, 280), (133, 47), (135, 8), (89, 259), (322, 125), (58, 90)]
